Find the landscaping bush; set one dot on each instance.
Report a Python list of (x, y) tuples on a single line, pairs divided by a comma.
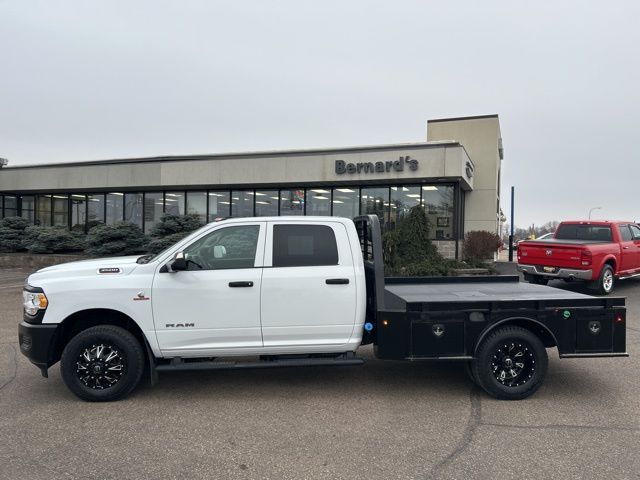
[(119, 239), (12, 233), (171, 229), (407, 250), (170, 224), (52, 240), (480, 246)]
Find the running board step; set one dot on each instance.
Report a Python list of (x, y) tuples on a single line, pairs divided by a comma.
[(179, 364)]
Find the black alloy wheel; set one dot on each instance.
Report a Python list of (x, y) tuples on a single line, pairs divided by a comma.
[(511, 363), (102, 363)]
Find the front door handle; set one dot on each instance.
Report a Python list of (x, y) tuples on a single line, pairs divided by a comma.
[(337, 281), (626, 248), (240, 284)]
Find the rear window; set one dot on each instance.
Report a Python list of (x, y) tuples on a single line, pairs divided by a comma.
[(596, 233), (304, 246)]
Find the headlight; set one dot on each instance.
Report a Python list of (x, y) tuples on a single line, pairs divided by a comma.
[(33, 302)]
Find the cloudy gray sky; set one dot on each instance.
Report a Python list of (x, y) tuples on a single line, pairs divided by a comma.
[(91, 80)]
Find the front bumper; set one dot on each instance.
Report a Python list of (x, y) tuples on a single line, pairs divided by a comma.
[(36, 343), (569, 273)]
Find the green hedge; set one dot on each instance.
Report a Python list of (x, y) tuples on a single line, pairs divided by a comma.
[(12, 233), (119, 239), (53, 240)]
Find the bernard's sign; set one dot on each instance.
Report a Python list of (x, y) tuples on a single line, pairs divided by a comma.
[(377, 167)]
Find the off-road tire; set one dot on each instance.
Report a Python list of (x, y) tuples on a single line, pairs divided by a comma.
[(129, 355), (491, 353)]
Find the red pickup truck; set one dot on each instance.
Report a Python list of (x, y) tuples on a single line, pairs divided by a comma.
[(598, 252)]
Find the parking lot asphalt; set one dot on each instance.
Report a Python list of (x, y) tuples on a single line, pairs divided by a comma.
[(382, 420)]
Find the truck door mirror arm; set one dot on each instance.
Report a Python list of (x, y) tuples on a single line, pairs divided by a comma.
[(178, 263)]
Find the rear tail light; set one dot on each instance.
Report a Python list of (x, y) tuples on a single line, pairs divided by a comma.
[(585, 258), (619, 318)]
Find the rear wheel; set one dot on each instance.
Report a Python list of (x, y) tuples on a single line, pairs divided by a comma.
[(511, 363), (604, 284), (102, 363)]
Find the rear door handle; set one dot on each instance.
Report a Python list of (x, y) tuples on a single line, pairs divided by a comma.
[(240, 284), (337, 281)]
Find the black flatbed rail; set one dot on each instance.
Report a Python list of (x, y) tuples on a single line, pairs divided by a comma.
[(424, 318)]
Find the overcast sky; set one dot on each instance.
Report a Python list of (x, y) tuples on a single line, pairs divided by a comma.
[(89, 80)]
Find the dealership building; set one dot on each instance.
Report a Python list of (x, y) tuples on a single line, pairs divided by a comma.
[(454, 176)]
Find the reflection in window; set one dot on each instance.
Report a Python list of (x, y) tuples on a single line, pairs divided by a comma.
[(266, 203), (292, 202), (61, 210), (28, 208), (219, 205), (403, 198), (346, 202), (115, 208), (95, 210), (318, 201), (133, 208), (153, 209), (44, 210), (174, 203), (242, 203), (437, 200), (10, 206), (197, 205), (375, 201), (225, 248), (78, 212)]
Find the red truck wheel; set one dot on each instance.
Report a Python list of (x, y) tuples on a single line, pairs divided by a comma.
[(604, 284)]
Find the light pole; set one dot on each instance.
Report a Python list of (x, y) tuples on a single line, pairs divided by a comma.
[(591, 211)]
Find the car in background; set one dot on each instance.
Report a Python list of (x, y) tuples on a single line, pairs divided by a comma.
[(597, 252)]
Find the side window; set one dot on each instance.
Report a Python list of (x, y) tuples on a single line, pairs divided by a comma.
[(229, 247), (304, 246), (625, 233), (635, 231)]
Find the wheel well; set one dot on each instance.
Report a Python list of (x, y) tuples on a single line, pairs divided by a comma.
[(611, 262), (79, 321), (535, 327)]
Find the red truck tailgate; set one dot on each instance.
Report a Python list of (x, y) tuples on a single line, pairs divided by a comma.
[(551, 254)]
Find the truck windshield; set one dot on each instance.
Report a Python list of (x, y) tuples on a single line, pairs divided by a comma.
[(596, 233)]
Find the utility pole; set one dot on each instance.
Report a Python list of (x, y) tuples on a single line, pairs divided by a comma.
[(512, 227)]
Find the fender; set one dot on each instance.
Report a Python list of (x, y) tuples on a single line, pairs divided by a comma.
[(492, 327)]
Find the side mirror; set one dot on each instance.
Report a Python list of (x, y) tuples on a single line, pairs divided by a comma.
[(178, 263), (219, 251)]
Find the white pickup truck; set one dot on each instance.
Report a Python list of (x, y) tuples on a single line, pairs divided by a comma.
[(296, 291)]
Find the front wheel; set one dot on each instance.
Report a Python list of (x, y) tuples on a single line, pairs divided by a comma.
[(102, 363), (511, 363)]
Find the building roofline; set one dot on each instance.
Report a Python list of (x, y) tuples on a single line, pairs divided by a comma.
[(251, 154), (455, 119)]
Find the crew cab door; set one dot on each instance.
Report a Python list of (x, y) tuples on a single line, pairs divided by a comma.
[(629, 254), (215, 304), (635, 231), (308, 285)]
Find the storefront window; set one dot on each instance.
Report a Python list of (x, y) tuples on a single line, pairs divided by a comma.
[(402, 200), (44, 210), (292, 202), (10, 206), (28, 208), (242, 203), (266, 203), (95, 214), (174, 203), (61, 210), (153, 209), (133, 208), (375, 201), (318, 201), (115, 208), (219, 203), (437, 201), (197, 204), (78, 212), (346, 202)]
